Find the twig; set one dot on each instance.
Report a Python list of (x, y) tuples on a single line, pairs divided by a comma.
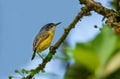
[(112, 16)]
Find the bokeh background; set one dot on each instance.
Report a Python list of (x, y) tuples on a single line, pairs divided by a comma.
[(21, 20)]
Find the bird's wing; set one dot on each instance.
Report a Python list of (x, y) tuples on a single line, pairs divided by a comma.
[(39, 38)]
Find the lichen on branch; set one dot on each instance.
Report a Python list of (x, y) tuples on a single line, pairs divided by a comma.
[(113, 17)]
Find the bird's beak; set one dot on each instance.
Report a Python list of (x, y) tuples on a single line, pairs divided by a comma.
[(58, 23)]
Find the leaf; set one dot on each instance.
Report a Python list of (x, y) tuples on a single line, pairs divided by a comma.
[(86, 56), (112, 65), (16, 71), (24, 71), (104, 44), (118, 42), (77, 71), (10, 77), (96, 53)]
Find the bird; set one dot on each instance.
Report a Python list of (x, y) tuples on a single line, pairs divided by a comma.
[(44, 38)]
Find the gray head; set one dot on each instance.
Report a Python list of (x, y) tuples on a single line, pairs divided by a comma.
[(49, 26)]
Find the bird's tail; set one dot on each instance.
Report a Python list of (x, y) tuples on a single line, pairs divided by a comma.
[(33, 56)]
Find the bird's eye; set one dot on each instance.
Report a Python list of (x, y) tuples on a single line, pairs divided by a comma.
[(51, 26)]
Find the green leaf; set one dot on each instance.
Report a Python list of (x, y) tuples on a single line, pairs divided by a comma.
[(104, 44), (77, 71), (19, 72), (118, 42), (97, 53), (86, 56), (112, 65), (16, 71), (24, 71), (10, 77)]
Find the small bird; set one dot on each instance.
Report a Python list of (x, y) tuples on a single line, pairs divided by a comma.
[(44, 38)]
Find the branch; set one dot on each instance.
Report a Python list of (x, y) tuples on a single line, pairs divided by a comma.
[(112, 16)]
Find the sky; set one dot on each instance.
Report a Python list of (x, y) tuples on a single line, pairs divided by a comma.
[(21, 20)]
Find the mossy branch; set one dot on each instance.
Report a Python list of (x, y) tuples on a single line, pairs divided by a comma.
[(113, 17)]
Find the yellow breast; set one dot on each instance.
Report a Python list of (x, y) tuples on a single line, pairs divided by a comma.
[(46, 43)]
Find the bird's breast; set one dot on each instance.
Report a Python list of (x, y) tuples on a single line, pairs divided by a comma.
[(46, 43)]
